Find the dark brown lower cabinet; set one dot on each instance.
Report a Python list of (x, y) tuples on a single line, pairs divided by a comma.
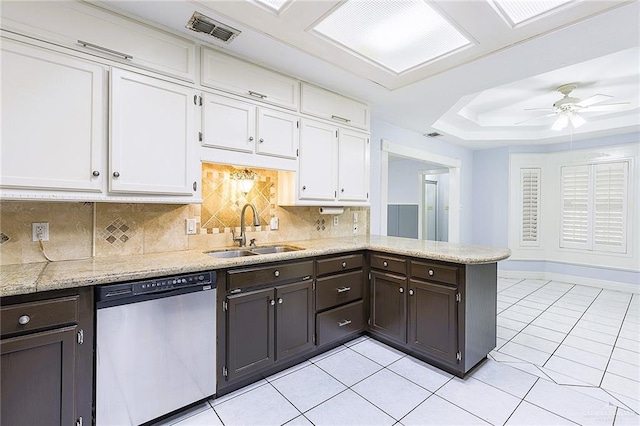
[(269, 325), (389, 305), (38, 376), (433, 319)]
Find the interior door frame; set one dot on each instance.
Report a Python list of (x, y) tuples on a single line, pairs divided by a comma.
[(452, 164)]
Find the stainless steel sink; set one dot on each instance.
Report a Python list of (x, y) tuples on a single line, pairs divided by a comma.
[(274, 249), (230, 253), (225, 254)]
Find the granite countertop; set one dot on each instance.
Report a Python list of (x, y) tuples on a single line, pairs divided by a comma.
[(35, 277)]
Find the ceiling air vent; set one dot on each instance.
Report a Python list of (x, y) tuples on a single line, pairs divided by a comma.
[(433, 135), (204, 24)]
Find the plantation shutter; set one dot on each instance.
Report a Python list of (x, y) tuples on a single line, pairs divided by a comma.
[(574, 230), (530, 184), (610, 207)]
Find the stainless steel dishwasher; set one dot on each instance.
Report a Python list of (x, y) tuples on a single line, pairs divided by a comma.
[(155, 347)]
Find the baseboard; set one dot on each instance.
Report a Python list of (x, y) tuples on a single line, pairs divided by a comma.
[(591, 282)]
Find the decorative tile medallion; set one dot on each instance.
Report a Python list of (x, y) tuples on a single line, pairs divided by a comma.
[(4, 238), (117, 233)]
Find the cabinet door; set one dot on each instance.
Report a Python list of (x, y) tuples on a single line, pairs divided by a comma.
[(318, 160), (38, 375), (228, 124), (53, 111), (389, 305), (233, 75), (152, 136), (294, 319), (250, 332), (353, 166), (433, 319), (278, 133), (332, 106)]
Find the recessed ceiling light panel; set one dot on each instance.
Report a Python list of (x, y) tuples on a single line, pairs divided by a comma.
[(275, 5), (519, 11), (398, 35)]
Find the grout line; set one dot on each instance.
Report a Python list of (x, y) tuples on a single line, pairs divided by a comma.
[(616, 341)]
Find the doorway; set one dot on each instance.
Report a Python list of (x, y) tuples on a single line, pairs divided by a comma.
[(432, 163), (430, 211)]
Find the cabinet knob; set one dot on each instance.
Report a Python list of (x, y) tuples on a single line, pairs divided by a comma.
[(116, 174), (272, 302), (431, 272), (401, 289), (276, 273), (342, 190), (96, 173), (280, 300), (385, 263), (344, 264), (195, 186), (251, 138), (304, 187), (410, 292), (261, 140), (24, 319)]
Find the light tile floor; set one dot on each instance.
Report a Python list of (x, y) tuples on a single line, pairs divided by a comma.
[(566, 354)]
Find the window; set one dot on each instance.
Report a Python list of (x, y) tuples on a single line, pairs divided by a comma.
[(530, 184), (594, 207)]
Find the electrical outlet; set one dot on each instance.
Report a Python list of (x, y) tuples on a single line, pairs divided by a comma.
[(40, 231), (190, 226), (355, 228), (335, 221)]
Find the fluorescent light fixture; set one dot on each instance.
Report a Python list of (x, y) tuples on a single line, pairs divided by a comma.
[(398, 35), (275, 5), (518, 11)]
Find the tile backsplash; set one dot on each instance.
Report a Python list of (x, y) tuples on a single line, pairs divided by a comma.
[(82, 230)]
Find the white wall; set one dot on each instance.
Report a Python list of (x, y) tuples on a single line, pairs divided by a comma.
[(398, 135), (404, 181)]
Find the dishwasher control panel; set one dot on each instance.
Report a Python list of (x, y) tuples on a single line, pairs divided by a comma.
[(170, 283)]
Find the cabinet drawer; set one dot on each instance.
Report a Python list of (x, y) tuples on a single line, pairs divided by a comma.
[(389, 263), (340, 322), (243, 278), (104, 34), (434, 272), (32, 316), (339, 289), (339, 264), (233, 75)]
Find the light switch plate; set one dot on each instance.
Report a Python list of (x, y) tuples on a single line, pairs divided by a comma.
[(355, 217), (274, 223), (190, 226)]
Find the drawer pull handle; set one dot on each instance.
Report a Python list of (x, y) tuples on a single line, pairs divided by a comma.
[(343, 289), (272, 302), (280, 300), (24, 320), (431, 272), (385, 263), (401, 289), (104, 49), (337, 117), (410, 292), (344, 264), (276, 273), (257, 95), (343, 323)]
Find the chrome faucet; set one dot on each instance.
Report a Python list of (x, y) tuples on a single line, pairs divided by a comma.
[(242, 239)]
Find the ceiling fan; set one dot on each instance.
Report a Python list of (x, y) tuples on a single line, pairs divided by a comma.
[(568, 108)]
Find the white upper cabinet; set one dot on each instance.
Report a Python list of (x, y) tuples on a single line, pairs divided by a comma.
[(228, 123), (53, 129), (235, 125), (87, 28), (233, 75), (278, 133), (152, 136), (317, 171), (353, 166), (332, 106)]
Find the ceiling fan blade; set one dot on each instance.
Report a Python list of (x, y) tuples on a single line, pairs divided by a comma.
[(534, 118), (538, 109), (606, 107), (593, 100)]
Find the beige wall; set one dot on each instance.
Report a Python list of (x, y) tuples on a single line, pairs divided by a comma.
[(129, 229)]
